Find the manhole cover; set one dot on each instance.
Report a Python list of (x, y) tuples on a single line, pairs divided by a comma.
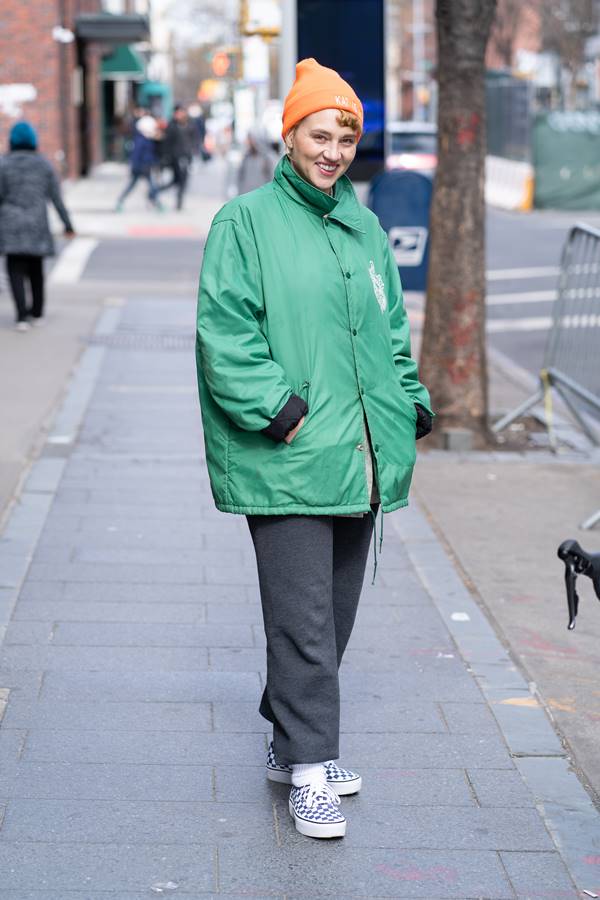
[(149, 340)]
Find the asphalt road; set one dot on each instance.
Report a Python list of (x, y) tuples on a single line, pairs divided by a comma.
[(523, 258)]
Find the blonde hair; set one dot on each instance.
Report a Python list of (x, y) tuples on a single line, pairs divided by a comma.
[(347, 120)]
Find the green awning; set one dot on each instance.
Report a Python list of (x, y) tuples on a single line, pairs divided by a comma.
[(123, 64)]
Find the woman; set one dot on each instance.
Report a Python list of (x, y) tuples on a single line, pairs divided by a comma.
[(27, 183), (143, 160), (311, 405), (257, 164)]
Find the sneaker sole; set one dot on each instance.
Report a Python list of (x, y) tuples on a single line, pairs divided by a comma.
[(342, 789), (277, 775), (313, 829)]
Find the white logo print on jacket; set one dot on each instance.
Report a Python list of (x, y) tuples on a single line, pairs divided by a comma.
[(378, 287)]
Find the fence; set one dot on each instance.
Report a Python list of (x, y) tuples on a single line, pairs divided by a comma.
[(572, 360)]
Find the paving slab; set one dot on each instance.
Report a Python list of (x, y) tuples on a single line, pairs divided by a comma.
[(107, 781), (104, 867), (143, 747), (143, 592), (92, 821), (129, 895), (54, 715), (151, 686), (117, 610), (117, 659)]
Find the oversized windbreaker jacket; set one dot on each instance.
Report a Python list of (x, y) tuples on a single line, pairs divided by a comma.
[(300, 297)]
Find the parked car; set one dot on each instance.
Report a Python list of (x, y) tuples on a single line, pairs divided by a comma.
[(411, 145)]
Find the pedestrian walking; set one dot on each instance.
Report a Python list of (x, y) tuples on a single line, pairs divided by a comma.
[(311, 405), (143, 160), (27, 184), (258, 164), (177, 150)]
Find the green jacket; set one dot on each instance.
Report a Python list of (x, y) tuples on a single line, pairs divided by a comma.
[(300, 297)]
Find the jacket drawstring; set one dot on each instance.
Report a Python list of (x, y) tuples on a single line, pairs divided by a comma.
[(374, 517)]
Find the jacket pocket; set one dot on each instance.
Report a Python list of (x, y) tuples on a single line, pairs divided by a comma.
[(303, 390), (409, 402)]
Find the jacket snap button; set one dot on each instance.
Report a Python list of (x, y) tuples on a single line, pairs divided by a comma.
[(348, 275), (376, 448), (360, 446), (354, 331)]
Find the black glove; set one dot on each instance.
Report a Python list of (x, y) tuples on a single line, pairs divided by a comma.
[(424, 422), (286, 419)]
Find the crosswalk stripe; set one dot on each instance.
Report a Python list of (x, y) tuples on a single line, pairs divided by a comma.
[(530, 272), (534, 323), (72, 261), (521, 297)]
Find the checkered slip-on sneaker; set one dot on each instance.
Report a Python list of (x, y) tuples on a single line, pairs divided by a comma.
[(343, 781), (314, 809)]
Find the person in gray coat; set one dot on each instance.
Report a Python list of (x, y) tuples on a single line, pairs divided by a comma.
[(27, 183), (258, 165)]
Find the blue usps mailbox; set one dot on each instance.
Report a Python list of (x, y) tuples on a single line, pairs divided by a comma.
[(401, 201)]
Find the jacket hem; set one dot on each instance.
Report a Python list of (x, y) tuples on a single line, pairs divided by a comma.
[(298, 510), (398, 504)]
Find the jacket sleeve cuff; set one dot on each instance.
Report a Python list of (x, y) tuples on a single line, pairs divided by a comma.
[(287, 418), (424, 422)]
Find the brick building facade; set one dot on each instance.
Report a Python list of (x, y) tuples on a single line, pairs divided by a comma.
[(50, 58)]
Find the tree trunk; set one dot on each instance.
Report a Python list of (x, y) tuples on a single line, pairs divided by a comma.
[(453, 357)]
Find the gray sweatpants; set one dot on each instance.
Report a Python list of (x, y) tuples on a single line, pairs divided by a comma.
[(311, 570)]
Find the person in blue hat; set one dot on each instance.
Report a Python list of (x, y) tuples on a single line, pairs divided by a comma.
[(27, 184)]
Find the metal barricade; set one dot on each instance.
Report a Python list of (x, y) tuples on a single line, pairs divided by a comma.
[(572, 357)]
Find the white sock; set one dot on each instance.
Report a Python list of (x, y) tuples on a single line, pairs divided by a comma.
[(308, 773)]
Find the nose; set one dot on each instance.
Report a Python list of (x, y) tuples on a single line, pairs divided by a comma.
[(332, 153)]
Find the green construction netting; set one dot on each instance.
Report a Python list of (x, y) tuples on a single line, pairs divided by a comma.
[(566, 156)]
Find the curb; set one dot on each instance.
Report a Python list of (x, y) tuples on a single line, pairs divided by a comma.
[(563, 803)]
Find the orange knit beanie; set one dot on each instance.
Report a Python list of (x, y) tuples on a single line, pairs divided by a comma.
[(316, 88)]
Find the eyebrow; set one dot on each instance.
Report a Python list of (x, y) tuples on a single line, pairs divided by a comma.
[(328, 133)]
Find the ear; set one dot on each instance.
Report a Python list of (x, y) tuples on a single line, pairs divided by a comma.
[(289, 141)]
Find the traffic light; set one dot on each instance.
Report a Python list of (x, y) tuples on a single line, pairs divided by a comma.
[(220, 63)]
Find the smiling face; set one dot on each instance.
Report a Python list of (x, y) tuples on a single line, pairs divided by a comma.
[(321, 149)]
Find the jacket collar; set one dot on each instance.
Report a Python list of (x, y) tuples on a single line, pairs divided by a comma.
[(343, 207)]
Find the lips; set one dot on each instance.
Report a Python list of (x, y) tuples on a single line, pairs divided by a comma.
[(326, 170)]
